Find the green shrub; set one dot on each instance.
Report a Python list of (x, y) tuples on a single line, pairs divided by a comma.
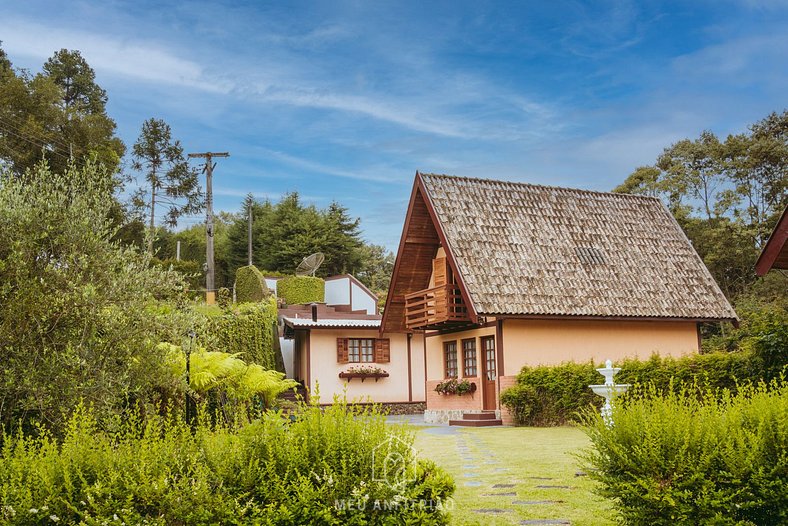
[(224, 298), (695, 458), (250, 285), (556, 395), (295, 290), (247, 329), (323, 468)]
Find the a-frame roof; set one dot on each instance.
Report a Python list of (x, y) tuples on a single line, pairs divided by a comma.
[(775, 252), (528, 250)]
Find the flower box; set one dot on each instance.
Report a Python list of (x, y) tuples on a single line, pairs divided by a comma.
[(349, 375), (453, 386)]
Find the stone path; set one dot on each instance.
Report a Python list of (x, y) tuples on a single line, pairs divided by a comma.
[(470, 478)]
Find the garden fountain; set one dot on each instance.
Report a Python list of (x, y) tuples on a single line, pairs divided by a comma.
[(609, 390)]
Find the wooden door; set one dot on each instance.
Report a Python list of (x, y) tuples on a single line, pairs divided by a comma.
[(489, 373)]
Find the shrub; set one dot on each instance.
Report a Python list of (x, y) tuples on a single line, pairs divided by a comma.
[(682, 458), (191, 270), (295, 290), (247, 329), (556, 395), (250, 285), (223, 297), (323, 468)]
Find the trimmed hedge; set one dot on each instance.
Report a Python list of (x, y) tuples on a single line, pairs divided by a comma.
[(247, 329), (250, 285), (556, 395), (328, 466), (695, 457), (296, 290)]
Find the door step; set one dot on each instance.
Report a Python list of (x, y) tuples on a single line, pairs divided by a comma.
[(484, 419)]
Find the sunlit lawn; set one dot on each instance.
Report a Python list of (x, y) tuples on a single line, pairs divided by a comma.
[(525, 457)]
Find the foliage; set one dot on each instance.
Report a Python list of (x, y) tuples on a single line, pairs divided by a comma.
[(75, 321), (240, 381), (284, 233), (170, 181), (57, 115), (224, 298), (685, 458), (556, 395), (727, 195), (250, 285), (246, 330), (296, 290), (158, 471), (191, 271), (454, 386)]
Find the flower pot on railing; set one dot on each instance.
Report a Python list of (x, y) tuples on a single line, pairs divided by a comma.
[(363, 374), (452, 386)]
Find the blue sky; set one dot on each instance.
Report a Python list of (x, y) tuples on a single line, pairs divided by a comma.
[(346, 100)]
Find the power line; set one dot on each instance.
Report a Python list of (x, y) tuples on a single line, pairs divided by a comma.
[(17, 123), (37, 144)]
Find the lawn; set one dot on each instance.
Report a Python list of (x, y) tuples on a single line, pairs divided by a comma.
[(525, 458)]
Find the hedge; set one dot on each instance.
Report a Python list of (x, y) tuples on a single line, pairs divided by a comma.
[(158, 471), (296, 290), (248, 329), (557, 395), (695, 457), (250, 285)]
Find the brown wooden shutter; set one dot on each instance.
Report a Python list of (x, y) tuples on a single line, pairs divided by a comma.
[(382, 350), (342, 350), (439, 274)]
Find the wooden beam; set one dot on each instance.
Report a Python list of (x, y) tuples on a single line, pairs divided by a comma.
[(416, 240)]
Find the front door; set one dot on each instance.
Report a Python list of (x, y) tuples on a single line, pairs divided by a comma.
[(489, 372)]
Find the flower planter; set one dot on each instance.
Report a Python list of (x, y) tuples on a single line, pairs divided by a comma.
[(452, 389), (349, 375)]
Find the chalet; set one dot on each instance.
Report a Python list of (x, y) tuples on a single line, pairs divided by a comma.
[(337, 348), (498, 275), (775, 253)]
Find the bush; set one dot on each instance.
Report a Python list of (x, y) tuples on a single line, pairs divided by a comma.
[(323, 468), (556, 395), (191, 270), (247, 329), (295, 290), (224, 298), (682, 458), (250, 285)]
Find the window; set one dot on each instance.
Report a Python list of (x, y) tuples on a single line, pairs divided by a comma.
[(469, 357), (488, 344), (361, 350), (450, 358)]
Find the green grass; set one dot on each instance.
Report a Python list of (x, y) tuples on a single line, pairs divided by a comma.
[(526, 453)]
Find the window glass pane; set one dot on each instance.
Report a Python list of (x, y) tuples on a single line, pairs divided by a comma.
[(450, 351), (353, 350), (367, 350), (469, 357)]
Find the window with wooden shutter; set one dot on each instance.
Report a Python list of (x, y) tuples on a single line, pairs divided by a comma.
[(382, 350), (440, 274), (342, 350)]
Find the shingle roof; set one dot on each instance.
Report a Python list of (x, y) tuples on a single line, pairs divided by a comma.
[(528, 249)]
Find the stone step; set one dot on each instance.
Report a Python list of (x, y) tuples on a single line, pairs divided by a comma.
[(487, 415), (476, 423)]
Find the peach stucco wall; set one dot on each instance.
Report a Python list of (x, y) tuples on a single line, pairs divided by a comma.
[(551, 342), (325, 369)]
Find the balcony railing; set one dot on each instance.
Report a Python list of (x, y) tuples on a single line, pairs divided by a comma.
[(435, 307)]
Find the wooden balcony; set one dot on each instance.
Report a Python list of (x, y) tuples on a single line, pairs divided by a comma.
[(436, 308)]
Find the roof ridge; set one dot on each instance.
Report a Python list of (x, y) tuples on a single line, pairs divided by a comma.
[(536, 185)]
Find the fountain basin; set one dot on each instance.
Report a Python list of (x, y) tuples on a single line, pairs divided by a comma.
[(609, 391)]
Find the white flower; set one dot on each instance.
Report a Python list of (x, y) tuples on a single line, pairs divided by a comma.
[(54, 518), (33, 510)]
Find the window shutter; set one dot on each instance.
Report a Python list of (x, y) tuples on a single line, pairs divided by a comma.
[(382, 350), (342, 350), (439, 271)]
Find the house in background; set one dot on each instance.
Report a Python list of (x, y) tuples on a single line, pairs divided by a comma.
[(336, 348), (775, 253), (498, 275)]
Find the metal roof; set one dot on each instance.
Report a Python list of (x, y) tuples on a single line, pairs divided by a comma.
[(307, 323)]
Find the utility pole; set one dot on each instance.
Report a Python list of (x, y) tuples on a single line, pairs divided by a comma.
[(178, 250), (249, 250), (210, 285)]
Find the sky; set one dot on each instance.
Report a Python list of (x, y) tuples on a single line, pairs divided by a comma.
[(345, 100)]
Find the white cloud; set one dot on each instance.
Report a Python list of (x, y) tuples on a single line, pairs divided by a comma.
[(142, 61)]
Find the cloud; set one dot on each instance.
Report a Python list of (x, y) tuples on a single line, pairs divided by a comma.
[(138, 60), (367, 174)]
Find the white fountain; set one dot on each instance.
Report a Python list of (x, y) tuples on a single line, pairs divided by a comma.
[(609, 390)]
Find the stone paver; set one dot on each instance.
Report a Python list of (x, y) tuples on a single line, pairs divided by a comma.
[(492, 510), (544, 486), (501, 494), (535, 502), (503, 485), (546, 521)]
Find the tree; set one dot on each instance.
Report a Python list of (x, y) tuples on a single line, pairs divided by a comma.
[(57, 115), (77, 321), (171, 182)]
